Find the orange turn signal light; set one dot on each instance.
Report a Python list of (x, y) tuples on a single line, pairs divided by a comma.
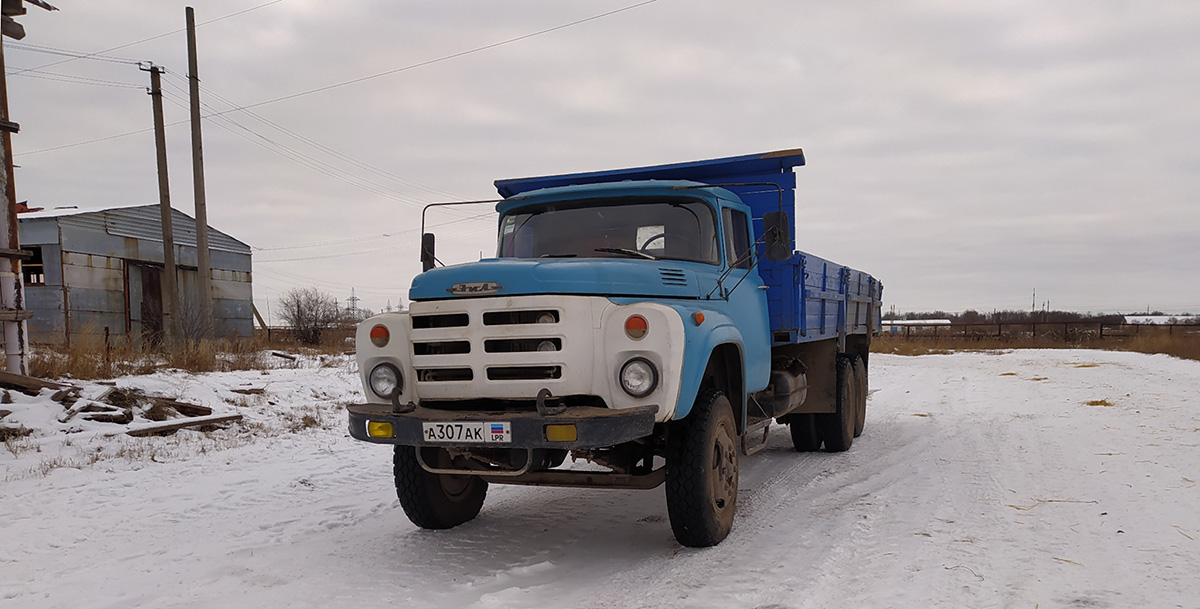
[(636, 327), (380, 336)]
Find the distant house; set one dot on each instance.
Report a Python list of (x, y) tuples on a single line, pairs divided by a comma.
[(94, 272)]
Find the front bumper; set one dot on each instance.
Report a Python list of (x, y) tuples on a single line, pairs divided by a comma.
[(595, 427)]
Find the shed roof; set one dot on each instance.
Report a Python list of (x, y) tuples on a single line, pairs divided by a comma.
[(138, 222)]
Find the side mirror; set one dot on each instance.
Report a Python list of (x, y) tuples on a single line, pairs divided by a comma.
[(777, 236), (427, 257)]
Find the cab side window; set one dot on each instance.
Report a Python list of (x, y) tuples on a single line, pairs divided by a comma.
[(737, 239)]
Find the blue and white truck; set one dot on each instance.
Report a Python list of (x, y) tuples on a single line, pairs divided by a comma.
[(648, 323)]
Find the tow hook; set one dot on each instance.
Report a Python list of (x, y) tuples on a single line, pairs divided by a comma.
[(398, 408), (547, 410)]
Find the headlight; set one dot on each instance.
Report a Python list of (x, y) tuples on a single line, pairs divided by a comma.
[(639, 377), (386, 381)]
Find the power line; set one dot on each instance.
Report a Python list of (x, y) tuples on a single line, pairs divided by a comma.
[(356, 80), (299, 157), (446, 57), (327, 169), (360, 164), (35, 48), (78, 80), (382, 249), (144, 40)]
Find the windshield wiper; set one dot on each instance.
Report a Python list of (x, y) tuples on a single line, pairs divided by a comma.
[(627, 252)]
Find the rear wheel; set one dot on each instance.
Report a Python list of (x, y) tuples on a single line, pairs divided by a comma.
[(702, 472), (860, 378), (435, 501), (804, 432), (837, 428)]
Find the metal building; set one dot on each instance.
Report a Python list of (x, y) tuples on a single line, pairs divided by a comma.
[(97, 272)]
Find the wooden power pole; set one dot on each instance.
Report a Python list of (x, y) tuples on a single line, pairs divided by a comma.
[(203, 262), (170, 295)]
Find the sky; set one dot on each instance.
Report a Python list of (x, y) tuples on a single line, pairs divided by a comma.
[(982, 155)]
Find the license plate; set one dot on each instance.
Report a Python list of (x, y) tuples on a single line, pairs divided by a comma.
[(488, 432)]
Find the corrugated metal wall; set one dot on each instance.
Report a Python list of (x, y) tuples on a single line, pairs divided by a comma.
[(96, 264)]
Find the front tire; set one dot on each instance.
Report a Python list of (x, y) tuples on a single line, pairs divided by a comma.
[(702, 472), (435, 501)]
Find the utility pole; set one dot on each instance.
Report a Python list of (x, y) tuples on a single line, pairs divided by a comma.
[(12, 294), (203, 264), (170, 291)]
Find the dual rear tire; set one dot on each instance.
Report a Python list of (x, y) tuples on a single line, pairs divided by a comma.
[(836, 430)]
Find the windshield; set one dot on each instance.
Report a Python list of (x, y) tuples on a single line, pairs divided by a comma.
[(676, 229)]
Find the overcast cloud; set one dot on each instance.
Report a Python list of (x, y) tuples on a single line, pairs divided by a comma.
[(964, 153)]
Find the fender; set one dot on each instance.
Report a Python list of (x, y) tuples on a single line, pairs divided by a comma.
[(718, 329)]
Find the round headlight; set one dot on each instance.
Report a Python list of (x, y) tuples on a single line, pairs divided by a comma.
[(639, 377), (547, 345), (386, 381), (546, 318)]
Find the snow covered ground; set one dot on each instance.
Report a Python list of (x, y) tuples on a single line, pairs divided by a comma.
[(1022, 479)]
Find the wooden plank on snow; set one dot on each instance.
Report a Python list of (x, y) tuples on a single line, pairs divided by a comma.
[(175, 424)]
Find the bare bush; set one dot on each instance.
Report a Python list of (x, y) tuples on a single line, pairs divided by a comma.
[(310, 312)]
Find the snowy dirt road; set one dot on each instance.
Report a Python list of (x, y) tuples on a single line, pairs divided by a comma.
[(1023, 479)]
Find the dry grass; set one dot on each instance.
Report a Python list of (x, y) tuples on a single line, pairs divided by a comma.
[(89, 357), (1185, 346), (17, 440)]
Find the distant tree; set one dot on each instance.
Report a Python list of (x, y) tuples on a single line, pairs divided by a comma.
[(310, 312), (971, 316)]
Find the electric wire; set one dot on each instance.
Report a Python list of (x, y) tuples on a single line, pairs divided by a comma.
[(368, 77), (296, 156), (144, 40), (315, 164), (79, 80), (366, 184), (35, 48)]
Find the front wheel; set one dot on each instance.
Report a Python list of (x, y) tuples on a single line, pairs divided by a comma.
[(702, 472), (435, 501)]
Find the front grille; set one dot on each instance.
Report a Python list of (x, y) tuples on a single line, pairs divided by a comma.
[(501, 351), (521, 345), (524, 373), (444, 320), (440, 375), (456, 347), (512, 318)]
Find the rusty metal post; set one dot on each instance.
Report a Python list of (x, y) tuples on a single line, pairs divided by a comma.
[(12, 293)]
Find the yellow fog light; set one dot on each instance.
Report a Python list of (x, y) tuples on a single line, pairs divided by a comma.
[(561, 433), (379, 429)]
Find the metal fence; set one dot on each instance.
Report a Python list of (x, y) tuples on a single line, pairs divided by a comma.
[(1069, 331)]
